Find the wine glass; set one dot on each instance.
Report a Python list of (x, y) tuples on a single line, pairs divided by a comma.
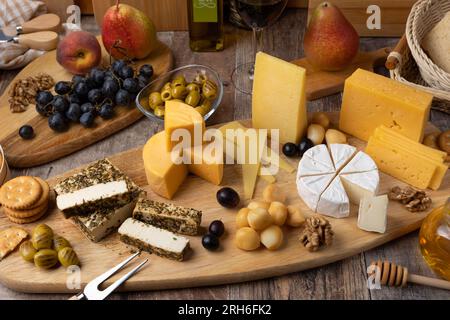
[(257, 14)]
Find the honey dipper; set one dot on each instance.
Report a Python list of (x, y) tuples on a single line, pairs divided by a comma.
[(398, 276)]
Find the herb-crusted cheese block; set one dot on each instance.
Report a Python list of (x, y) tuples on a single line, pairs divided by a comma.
[(154, 240), (168, 216), (100, 186), (101, 223)]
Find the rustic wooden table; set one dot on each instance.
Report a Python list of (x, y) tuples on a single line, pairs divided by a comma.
[(342, 280)]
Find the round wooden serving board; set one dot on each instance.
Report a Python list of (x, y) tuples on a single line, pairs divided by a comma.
[(229, 264), (48, 145)]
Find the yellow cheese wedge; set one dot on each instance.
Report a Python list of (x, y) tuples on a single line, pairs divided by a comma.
[(371, 100), (205, 165), (179, 115), (401, 165), (163, 176), (423, 149), (279, 98), (417, 151)]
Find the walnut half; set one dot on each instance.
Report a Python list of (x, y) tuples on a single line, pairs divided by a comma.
[(316, 233), (414, 200)]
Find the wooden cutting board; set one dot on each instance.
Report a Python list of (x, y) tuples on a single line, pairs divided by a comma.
[(320, 83), (229, 264), (48, 145)]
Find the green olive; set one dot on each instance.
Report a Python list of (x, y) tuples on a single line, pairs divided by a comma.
[(179, 92), (60, 243), (178, 81), (193, 99), (155, 100), (42, 237), (166, 95), (160, 111), (200, 79), (27, 251), (168, 85), (209, 90), (202, 110), (68, 257), (192, 87), (46, 258), (206, 103)]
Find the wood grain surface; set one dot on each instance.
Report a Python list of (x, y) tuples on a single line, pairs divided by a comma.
[(345, 279), (228, 264), (49, 145), (323, 84)]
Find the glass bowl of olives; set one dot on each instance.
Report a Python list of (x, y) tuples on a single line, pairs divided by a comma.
[(196, 85)]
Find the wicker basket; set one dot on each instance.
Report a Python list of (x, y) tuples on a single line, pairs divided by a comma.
[(413, 66)]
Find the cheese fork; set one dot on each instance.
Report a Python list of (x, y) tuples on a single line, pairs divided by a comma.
[(92, 291)]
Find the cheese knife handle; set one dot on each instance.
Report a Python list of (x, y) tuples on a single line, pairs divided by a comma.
[(44, 40), (45, 22)]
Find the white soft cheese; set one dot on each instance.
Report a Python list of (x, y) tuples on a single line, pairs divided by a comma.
[(321, 155), (310, 188), (373, 214), (362, 162), (341, 154), (90, 194), (360, 185), (153, 236), (334, 201)]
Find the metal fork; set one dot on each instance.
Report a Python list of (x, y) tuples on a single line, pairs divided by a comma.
[(92, 292)]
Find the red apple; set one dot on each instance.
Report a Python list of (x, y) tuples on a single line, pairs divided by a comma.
[(79, 52)]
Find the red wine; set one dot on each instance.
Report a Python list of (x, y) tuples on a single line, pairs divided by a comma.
[(260, 13)]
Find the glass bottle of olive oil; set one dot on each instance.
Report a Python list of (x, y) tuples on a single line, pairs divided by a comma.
[(205, 25), (434, 240)]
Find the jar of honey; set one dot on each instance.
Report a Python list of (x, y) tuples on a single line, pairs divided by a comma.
[(434, 240)]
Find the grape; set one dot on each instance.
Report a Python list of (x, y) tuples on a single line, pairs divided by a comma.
[(107, 111), (110, 88), (74, 112), (87, 119), (26, 132), (123, 98), (126, 72), (131, 85), (43, 98), (63, 87), (95, 96), (87, 107), (147, 71), (60, 104), (57, 122)]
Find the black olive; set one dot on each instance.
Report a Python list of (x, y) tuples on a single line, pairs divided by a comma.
[(228, 198)]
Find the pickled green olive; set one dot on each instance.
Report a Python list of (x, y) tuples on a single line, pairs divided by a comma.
[(202, 110), (200, 79), (168, 85), (60, 243), (178, 81), (42, 237), (209, 90), (68, 257), (192, 87), (179, 92), (46, 258), (193, 99), (160, 111), (206, 103), (155, 100), (166, 95), (27, 251)]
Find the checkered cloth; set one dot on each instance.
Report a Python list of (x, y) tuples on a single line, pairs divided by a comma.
[(14, 13)]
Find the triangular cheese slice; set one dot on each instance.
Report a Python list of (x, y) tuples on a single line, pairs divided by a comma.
[(341, 154), (360, 185), (334, 201), (310, 188), (310, 167), (320, 154), (360, 163)]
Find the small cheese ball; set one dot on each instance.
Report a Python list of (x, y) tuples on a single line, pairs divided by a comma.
[(278, 211), (321, 119), (242, 218), (273, 193), (258, 204), (316, 133), (259, 219), (295, 217), (272, 237), (247, 239)]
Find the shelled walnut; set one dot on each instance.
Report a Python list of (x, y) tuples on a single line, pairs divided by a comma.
[(316, 233), (414, 200), (24, 91)]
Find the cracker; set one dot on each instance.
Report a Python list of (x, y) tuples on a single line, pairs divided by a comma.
[(45, 194), (28, 213), (27, 220), (10, 239), (20, 193)]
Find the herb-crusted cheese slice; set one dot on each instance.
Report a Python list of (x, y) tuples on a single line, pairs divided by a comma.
[(99, 224), (154, 240), (168, 216), (99, 186)]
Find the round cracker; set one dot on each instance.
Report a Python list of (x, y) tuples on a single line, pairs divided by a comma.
[(27, 220), (20, 193), (24, 214), (45, 194)]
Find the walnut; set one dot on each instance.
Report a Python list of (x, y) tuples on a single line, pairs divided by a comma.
[(23, 92), (414, 200), (316, 232)]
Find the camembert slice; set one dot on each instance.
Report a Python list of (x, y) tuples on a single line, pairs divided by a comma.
[(360, 185), (341, 154), (311, 187), (321, 155), (334, 201), (362, 162)]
